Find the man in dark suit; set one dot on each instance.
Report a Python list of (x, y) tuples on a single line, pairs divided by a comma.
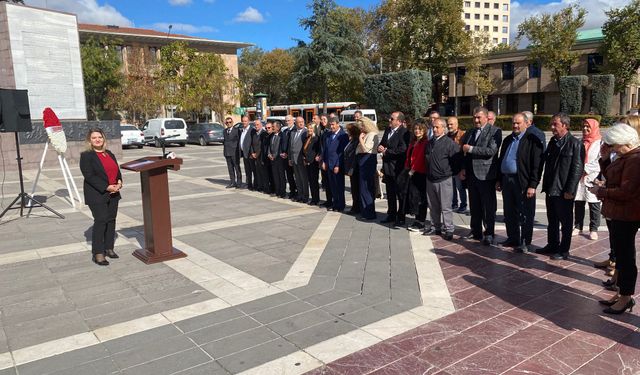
[(333, 163), (325, 131), (262, 179), (520, 164), (248, 150), (296, 160), (528, 118), (285, 140), (277, 162), (393, 148), (564, 164), (232, 153), (480, 166)]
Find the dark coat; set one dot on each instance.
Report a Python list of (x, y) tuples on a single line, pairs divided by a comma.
[(482, 161), (334, 150), (393, 159), (563, 165), (313, 150), (95, 178), (350, 163), (264, 139), (251, 143), (528, 159), (231, 142)]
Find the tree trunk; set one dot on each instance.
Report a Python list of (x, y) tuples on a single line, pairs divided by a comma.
[(325, 96), (623, 101)]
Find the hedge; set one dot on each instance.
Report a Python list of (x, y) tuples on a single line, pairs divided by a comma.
[(602, 93), (541, 121), (408, 91), (571, 93)]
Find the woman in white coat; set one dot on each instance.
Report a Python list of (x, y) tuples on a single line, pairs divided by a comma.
[(591, 139)]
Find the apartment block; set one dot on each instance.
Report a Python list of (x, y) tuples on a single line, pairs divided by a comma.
[(489, 17)]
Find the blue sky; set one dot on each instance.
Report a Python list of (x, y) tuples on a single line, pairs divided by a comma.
[(266, 23)]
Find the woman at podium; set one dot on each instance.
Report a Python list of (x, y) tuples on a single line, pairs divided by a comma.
[(102, 184)]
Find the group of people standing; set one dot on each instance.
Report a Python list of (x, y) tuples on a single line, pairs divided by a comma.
[(429, 165)]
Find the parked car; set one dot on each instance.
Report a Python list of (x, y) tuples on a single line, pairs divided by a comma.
[(205, 133), (165, 127), (131, 136), (346, 116), (279, 119)]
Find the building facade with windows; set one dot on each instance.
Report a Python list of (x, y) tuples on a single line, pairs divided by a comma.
[(488, 17), (523, 85), (147, 44)]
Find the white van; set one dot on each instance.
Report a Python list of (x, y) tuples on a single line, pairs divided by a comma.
[(165, 127), (346, 116)]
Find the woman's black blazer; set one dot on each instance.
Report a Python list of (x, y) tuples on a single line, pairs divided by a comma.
[(95, 178)]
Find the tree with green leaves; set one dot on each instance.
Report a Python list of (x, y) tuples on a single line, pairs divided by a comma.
[(249, 73), (102, 73), (621, 47), (335, 51), (422, 34), (196, 81), (274, 73), (477, 73), (551, 38)]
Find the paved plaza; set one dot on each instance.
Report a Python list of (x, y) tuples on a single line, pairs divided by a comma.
[(276, 287)]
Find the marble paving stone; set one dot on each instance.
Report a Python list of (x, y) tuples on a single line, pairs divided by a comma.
[(64, 361), (367, 360), (172, 363), (223, 329), (136, 340), (257, 355), (152, 350), (239, 342), (282, 312), (299, 322), (210, 319), (104, 366), (492, 360), (406, 365), (209, 368), (320, 332)]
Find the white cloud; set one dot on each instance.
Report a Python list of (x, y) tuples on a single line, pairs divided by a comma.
[(88, 11), (179, 2), (595, 8), (182, 28), (249, 15)]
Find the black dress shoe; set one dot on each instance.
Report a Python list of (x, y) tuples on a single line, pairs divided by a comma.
[(546, 250), (522, 249), (559, 256), (432, 232), (471, 236), (628, 306), (448, 236), (388, 219), (230, 186), (112, 254), (508, 243), (102, 262), (609, 282), (313, 203), (608, 302)]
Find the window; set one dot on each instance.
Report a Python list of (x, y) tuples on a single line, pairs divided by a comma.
[(505, 18), (153, 55), (495, 29), (512, 103), (507, 70), (467, 27), (505, 7), (467, 4), (537, 99), (487, 5), (476, 16), (496, 6), (476, 28), (119, 52), (505, 41), (467, 16), (594, 63), (477, 4), (486, 17), (461, 71), (534, 69), (486, 28), (495, 17), (495, 40), (505, 29)]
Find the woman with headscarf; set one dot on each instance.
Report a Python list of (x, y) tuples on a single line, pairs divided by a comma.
[(619, 192), (367, 159), (591, 140)]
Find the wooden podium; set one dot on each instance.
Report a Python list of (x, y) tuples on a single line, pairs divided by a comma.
[(155, 208)]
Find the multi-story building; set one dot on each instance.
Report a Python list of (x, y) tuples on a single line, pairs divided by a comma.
[(490, 17), (149, 42), (523, 85)]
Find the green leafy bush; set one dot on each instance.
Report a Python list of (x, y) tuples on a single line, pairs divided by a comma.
[(571, 93), (602, 92), (408, 91)]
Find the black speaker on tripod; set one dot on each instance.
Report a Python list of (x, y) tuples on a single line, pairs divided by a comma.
[(15, 117)]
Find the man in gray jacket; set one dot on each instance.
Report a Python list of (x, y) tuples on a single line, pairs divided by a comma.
[(296, 160)]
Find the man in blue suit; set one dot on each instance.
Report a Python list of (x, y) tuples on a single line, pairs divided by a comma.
[(333, 163)]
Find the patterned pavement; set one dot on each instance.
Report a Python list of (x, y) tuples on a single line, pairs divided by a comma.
[(275, 287)]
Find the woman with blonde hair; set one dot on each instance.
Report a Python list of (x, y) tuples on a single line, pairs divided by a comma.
[(367, 160), (619, 193), (102, 184), (633, 121)]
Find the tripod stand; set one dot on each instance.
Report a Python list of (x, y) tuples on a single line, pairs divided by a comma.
[(22, 196)]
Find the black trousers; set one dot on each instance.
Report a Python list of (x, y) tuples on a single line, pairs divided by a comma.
[(290, 176), (559, 215), (235, 174), (594, 215), (277, 168), (418, 198), (483, 205), (313, 171), (519, 211), (103, 235), (368, 178), (612, 251), (354, 184), (250, 171), (302, 181), (391, 185), (623, 234), (327, 187), (262, 176)]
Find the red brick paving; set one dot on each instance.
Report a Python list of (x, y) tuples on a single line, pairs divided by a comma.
[(515, 314)]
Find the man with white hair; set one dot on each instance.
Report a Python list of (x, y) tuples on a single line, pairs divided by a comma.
[(531, 127), (491, 118)]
